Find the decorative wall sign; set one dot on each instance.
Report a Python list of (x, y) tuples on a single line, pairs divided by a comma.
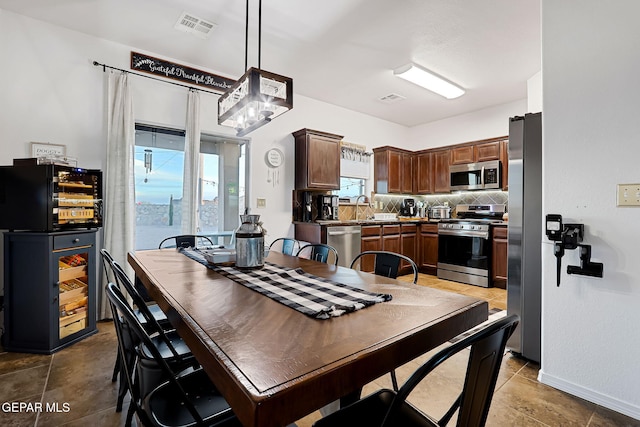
[(44, 149), (171, 70), (274, 158)]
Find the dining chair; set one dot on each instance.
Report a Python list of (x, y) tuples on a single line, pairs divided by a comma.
[(185, 241), (289, 245), (387, 264), (186, 398), (390, 408), (172, 347), (318, 252), (158, 314)]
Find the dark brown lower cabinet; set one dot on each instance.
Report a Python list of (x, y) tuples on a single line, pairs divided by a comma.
[(428, 249), (391, 238), (409, 244), (370, 241), (499, 257)]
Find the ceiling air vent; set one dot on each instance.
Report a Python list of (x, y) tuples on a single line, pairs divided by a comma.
[(194, 25), (391, 98)]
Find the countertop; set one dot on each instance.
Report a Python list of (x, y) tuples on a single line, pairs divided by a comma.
[(416, 220)]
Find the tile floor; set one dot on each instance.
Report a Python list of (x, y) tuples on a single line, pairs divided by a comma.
[(78, 380)]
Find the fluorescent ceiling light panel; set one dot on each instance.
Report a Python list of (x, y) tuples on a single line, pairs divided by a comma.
[(428, 80)]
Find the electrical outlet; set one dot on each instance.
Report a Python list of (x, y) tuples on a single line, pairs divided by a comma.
[(628, 195), (261, 202)]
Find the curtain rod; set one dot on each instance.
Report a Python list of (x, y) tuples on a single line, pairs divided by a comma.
[(104, 68)]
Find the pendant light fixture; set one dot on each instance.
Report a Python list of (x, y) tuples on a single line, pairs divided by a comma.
[(258, 96)]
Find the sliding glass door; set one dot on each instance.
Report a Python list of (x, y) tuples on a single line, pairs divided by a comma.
[(159, 160)]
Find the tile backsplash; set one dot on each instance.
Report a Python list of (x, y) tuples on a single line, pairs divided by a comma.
[(392, 204)]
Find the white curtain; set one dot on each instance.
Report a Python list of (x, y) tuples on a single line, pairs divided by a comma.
[(119, 194), (190, 202)]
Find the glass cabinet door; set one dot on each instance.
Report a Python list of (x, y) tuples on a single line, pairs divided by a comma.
[(73, 289)]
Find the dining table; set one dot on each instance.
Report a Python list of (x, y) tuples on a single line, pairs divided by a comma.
[(275, 365)]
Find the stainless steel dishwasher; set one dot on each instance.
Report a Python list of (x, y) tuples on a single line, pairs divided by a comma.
[(346, 240)]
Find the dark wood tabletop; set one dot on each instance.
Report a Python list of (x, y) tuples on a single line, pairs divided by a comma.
[(275, 365)]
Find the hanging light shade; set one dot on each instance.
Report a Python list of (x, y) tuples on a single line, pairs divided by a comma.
[(254, 100), (257, 97)]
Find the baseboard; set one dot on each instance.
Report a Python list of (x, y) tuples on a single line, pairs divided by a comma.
[(589, 395)]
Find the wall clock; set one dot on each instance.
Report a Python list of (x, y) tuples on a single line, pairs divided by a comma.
[(274, 158)]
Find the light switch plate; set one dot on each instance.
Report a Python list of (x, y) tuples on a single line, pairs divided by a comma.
[(628, 195), (261, 202)]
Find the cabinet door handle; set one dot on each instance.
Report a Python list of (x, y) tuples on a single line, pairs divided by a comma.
[(76, 240)]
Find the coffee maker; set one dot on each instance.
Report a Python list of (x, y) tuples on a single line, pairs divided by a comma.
[(327, 207), (408, 207), (307, 199)]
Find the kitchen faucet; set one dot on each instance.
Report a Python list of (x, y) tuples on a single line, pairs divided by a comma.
[(358, 202)]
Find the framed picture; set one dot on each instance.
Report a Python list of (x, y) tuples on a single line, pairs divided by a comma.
[(44, 149)]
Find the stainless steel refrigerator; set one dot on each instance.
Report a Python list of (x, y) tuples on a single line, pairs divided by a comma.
[(524, 283)]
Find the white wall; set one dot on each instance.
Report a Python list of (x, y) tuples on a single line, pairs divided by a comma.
[(51, 92), (534, 93), (487, 123), (590, 339)]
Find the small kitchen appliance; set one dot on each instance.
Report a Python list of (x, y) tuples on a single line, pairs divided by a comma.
[(306, 208), (408, 207), (440, 212), (327, 208)]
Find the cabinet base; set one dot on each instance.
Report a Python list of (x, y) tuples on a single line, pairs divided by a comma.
[(26, 348)]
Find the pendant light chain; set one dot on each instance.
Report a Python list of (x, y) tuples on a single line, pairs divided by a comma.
[(259, 33), (246, 36)]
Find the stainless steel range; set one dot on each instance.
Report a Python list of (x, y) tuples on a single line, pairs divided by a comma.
[(464, 244)]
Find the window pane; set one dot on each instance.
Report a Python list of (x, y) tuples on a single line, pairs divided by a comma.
[(159, 165), (350, 187)]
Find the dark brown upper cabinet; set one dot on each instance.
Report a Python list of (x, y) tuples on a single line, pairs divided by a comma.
[(317, 160), (475, 152), (424, 173), (392, 170)]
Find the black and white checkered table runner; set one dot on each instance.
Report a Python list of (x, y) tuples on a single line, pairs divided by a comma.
[(311, 295)]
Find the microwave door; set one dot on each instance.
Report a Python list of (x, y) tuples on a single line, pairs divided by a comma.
[(476, 180)]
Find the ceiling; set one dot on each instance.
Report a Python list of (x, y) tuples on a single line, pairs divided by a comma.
[(339, 51)]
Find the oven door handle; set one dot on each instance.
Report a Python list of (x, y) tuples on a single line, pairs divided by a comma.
[(466, 233)]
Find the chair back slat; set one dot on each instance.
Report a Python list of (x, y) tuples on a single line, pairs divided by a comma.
[(320, 252), (184, 241), (387, 263), (152, 324), (107, 259), (289, 245)]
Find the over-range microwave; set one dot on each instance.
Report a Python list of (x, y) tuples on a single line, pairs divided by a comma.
[(475, 176)]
